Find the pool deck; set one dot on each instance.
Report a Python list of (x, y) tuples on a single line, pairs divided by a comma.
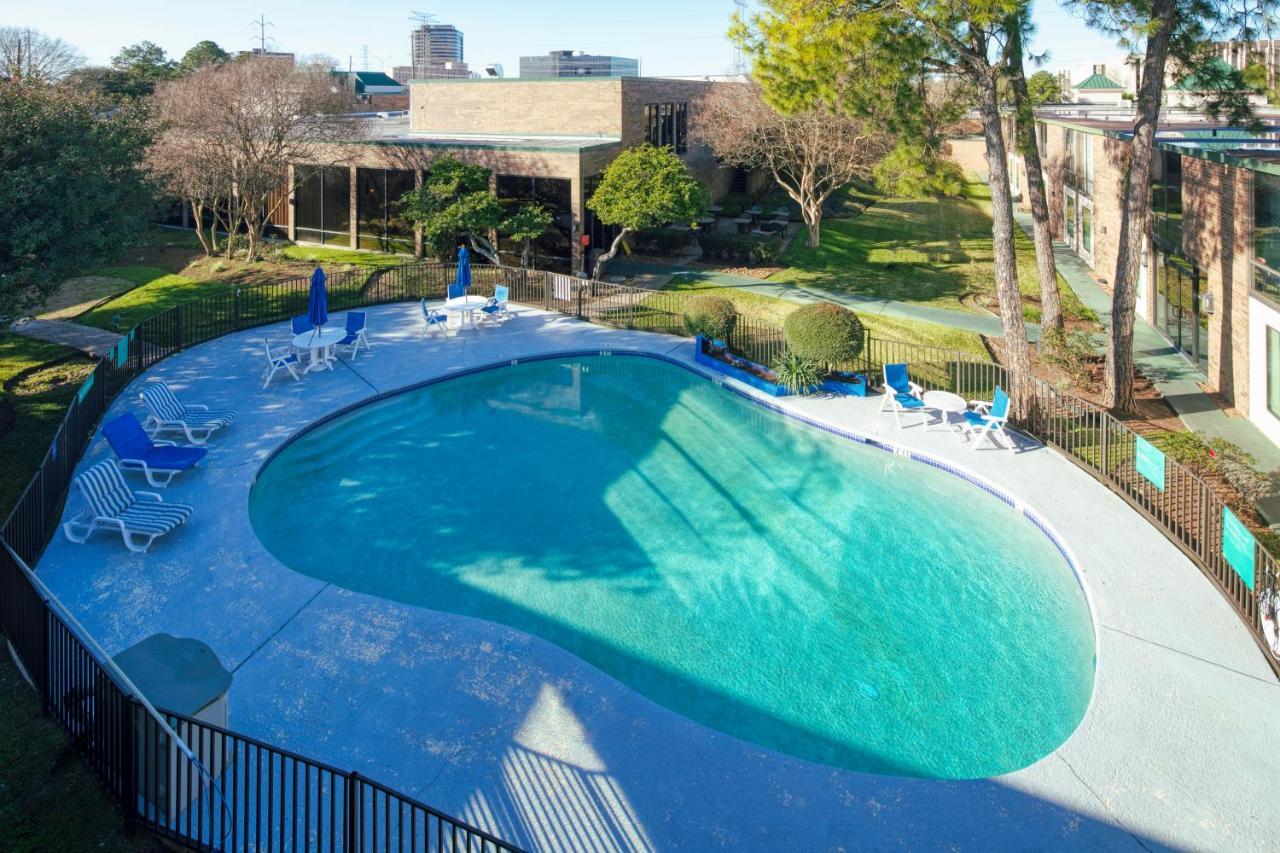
[(1180, 747)]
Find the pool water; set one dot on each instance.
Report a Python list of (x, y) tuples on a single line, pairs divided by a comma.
[(760, 576)]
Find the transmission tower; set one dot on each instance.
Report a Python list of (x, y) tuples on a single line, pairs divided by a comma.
[(739, 67), (261, 24)]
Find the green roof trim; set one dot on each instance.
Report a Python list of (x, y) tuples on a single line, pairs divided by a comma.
[(1215, 78), (1098, 82)]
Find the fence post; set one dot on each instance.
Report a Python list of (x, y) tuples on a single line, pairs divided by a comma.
[(46, 663), (581, 289), (353, 833), (1104, 464), (128, 764), (236, 319)]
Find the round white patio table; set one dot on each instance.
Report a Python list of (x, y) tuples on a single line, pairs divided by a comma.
[(466, 307), (945, 404), (320, 343)]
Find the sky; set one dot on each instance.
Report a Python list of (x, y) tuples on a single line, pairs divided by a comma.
[(670, 37)]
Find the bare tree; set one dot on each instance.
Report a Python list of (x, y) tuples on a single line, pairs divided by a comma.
[(809, 154), (26, 54), (243, 124)]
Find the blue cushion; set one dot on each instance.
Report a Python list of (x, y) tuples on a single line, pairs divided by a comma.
[(977, 419), (175, 458), (906, 401), (291, 358), (126, 437), (348, 340), (491, 309)]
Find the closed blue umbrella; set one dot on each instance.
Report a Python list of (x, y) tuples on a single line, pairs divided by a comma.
[(318, 301), (464, 268)]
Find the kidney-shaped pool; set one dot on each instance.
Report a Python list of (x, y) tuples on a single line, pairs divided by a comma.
[(766, 578)]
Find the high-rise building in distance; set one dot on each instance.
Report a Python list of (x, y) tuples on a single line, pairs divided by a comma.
[(436, 50), (569, 63)]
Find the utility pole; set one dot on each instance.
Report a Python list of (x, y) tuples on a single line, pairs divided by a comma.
[(738, 67), (262, 23)]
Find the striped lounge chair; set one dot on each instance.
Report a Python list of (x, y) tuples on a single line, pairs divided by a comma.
[(139, 517), (167, 414)]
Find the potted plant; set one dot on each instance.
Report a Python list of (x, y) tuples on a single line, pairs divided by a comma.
[(829, 335)]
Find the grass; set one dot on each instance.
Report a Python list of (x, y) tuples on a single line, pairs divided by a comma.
[(49, 799), (40, 394), (932, 251), (773, 310)]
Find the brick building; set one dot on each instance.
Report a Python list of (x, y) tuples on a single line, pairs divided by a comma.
[(1210, 278), (544, 140)]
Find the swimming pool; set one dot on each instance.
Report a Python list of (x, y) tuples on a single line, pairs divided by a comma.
[(766, 578)]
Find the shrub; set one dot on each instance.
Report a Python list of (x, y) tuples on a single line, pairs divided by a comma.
[(739, 248), (659, 241), (712, 317), (913, 171), (797, 374), (824, 332)]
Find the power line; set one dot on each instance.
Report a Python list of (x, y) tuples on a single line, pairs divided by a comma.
[(262, 23)]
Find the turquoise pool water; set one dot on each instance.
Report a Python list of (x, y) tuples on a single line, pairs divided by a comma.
[(765, 578)]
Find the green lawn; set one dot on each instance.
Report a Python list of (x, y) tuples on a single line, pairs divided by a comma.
[(39, 396), (934, 251), (49, 799), (773, 310)]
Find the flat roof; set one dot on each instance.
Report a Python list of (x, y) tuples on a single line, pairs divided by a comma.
[(396, 131)]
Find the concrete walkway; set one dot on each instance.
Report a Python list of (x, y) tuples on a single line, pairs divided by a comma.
[(983, 324), (1178, 749), (87, 339), (1172, 374)]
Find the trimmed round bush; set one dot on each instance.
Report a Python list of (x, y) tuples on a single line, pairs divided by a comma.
[(825, 333), (710, 316)]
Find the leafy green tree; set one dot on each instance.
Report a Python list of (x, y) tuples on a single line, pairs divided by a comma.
[(1043, 88), (1161, 31), (454, 203), (645, 187), (203, 53), (70, 178), (136, 70), (524, 225), (868, 55)]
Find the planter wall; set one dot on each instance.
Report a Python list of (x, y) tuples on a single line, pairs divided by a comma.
[(701, 357)]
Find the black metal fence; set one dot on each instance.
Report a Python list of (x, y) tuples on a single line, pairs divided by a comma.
[(211, 788)]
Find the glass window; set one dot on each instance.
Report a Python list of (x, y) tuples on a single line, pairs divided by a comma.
[(379, 223), (1086, 228), (1273, 371), (1266, 220), (335, 213), (554, 249), (667, 124), (1069, 220)]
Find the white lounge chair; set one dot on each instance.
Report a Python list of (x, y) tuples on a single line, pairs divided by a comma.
[(497, 306), (901, 395), (989, 419), (159, 461), (281, 359), (167, 414), (433, 319), (139, 517)]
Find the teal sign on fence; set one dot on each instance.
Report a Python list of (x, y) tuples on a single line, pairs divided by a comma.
[(1150, 461), (84, 389), (1238, 546)]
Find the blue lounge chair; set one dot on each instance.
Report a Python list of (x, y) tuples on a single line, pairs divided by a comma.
[(457, 290), (497, 306), (159, 461), (139, 517), (989, 418), (355, 337), (167, 414), (901, 395), (300, 325), (433, 319)]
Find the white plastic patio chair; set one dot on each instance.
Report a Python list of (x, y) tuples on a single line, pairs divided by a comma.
[(139, 517), (281, 359), (433, 319), (901, 395), (988, 419), (497, 306)]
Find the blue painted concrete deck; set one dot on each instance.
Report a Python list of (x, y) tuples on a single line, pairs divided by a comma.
[(1179, 747)]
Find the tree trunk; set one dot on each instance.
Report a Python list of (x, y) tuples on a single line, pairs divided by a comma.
[(1017, 352), (812, 213), (1046, 268), (1118, 390), (485, 249), (197, 211), (608, 256)]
